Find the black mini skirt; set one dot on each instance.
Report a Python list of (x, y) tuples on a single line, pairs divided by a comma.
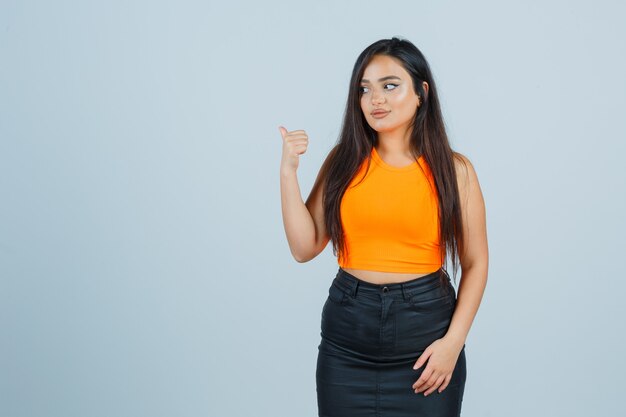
[(372, 335)]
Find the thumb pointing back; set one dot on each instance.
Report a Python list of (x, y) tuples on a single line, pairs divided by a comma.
[(283, 131)]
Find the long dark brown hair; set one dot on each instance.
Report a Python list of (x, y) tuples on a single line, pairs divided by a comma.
[(428, 138)]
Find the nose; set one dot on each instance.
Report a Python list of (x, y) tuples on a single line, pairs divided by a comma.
[(377, 98)]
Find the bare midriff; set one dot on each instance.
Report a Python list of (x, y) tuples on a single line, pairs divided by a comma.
[(379, 277)]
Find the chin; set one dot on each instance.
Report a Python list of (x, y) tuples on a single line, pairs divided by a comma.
[(382, 128)]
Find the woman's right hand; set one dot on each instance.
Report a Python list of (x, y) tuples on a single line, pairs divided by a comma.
[(294, 145)]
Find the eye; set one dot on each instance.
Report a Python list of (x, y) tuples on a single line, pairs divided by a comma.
[(362, 88)]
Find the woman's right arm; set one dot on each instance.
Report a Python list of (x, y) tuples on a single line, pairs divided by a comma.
[(303, 222)]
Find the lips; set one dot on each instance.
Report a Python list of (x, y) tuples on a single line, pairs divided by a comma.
[(379, 114)]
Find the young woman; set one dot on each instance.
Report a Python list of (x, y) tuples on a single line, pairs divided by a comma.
[(395, 200)]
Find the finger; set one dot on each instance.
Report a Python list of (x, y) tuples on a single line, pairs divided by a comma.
[(445, 383), (299, 146), (435, 385), (298, 140), (293, 134), (422, 359), (429, 382), (283, 127), (297, 133), (423, 378), (295, 139)]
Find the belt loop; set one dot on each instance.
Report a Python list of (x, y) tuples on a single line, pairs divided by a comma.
[(404, 297), (446, 274), (355, 289)]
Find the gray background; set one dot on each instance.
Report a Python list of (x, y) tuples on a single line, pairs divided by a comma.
[(144, 269)]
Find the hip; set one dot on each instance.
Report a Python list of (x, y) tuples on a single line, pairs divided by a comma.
[(382, 322)]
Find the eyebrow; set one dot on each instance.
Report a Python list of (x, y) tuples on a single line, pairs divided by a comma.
[(389, 77)]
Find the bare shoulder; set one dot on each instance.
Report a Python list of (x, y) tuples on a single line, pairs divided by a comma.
[(462, 162), (465, 172)]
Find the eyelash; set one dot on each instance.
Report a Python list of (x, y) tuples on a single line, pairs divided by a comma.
[(362, 92)]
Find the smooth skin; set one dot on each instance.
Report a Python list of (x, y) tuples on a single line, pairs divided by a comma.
[(306, 231)]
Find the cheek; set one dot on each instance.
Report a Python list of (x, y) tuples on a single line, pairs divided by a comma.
[(364, 109), (404, 103), (401, 96)]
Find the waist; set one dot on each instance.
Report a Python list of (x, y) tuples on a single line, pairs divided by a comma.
[(352, 284)]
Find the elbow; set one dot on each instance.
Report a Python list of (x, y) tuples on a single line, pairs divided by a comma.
[(300, 259), (303, 258), (310, 252), (481, 267), (306, 256)]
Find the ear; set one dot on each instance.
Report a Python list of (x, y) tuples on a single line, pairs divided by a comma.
[(425, 85)]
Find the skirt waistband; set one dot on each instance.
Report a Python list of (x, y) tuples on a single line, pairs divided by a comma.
[(351, 284)]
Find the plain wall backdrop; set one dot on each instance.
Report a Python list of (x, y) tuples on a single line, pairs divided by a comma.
[(144, 268)]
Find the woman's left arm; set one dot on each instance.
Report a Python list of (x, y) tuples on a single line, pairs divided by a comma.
[(443, 353), (475, 257)]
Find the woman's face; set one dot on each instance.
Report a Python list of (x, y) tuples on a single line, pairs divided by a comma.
[(387, 86)]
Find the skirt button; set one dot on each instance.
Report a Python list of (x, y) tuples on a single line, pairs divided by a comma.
[(385, 289)]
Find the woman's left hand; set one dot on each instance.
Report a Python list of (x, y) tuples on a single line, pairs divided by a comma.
[(442, 355)]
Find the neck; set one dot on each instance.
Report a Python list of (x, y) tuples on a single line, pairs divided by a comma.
[(394, 142)]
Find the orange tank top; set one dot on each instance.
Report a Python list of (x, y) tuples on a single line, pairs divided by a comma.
[(390, 218)]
